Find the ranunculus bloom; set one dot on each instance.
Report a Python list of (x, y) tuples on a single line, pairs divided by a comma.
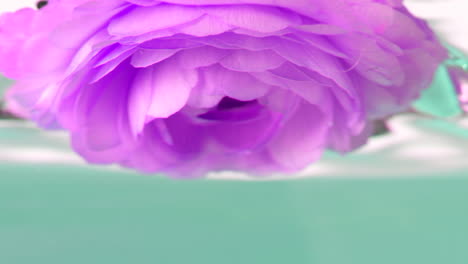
[(190, 86)]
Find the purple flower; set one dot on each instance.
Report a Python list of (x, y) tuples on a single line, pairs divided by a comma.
[(190, 86)]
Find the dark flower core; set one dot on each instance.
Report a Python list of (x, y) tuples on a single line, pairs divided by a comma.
[(233, 110), (230, 103), (41, 4)]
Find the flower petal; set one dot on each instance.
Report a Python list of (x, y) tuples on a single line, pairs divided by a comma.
[(159, 92), (142, 20), (300, 141)]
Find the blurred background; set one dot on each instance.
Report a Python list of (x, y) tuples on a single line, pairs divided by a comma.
[(403, 198)]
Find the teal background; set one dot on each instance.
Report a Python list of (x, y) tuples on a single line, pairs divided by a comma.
[(69, 212), (64, 215)]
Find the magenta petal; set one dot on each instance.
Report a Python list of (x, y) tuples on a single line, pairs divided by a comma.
[(206, 26), (158, 92), (252, 61), (144, 57), (100, 109), (140, 99), (258, 18), (142, 20), (200, 57), (170, 89), (248, 135), (301, 139), (241, 86)]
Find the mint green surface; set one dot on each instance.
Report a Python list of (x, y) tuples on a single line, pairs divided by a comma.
[(440, 99), (58, 212), (62, 215), (457, 58)]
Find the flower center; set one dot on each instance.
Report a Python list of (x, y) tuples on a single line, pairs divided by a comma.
[(229, 103), (229, 109)]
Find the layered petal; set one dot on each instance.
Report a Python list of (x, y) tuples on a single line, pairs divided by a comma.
[(185, 87)]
